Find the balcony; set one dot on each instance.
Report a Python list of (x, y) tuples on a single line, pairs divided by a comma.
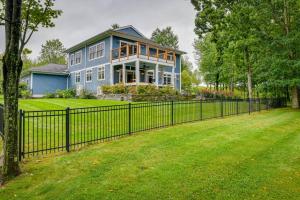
[(143, 52)]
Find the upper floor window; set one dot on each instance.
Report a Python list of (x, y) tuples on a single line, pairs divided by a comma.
[(96, 51), (78, 57), (167, 79), (75, 58), (88, 75), (77, 77), (101, 73), (72, 61)]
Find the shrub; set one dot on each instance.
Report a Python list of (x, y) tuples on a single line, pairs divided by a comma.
[(68, 93), (25, 94), (49, 95), (167, 90), (119, 89), (107, 89), (147, 90), (85, 94), (23, 91)]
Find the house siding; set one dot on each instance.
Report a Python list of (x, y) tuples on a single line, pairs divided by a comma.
[(45, 83), (130, 31)]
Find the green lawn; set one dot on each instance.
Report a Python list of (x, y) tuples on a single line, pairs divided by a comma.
[(58, 104), (253, 156)]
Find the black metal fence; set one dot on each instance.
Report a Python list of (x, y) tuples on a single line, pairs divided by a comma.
[(49, 131)]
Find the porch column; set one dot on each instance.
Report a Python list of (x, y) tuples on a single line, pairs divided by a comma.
[(137, 72), (156, 75), (173, 76), (124, 74)]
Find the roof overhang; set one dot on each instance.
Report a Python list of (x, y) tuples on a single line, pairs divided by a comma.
[(50, 73)]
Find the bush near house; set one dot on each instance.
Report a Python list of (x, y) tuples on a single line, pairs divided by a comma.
[(207, 93), (23, 91)]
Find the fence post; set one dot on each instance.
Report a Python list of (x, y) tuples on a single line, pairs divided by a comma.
[(201, 115), (129, 118), (172, 112), (221, 107), (68, 129), (237, 106), (259, 105), (20, 134)]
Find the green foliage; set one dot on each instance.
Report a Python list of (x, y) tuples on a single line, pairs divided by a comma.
[(115, 26), (23, 91), (119, 89), (147, 90), (49, 95), (165, 37), (259, 48), (53, 52), (68, 93), (85, 94)]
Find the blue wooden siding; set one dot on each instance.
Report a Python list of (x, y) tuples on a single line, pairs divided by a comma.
[(91, 86), (45, 83), (130, 31)]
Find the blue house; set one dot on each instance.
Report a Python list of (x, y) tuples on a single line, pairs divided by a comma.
[(122, 55)]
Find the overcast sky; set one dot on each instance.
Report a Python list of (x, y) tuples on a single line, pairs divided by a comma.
[(82, 19)]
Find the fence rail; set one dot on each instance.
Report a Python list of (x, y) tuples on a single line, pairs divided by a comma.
[(49, 131)]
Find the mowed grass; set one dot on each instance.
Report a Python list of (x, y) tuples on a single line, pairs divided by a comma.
[(60, 104), (253, 156)]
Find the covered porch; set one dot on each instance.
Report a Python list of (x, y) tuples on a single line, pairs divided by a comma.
[(143, 73)]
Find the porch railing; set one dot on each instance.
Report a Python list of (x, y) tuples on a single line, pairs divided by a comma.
[(141, 50)]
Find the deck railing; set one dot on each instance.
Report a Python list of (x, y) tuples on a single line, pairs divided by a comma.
[(141, 50)]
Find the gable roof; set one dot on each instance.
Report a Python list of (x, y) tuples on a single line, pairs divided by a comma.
[(118, 33), (130, 27), (51, 68)]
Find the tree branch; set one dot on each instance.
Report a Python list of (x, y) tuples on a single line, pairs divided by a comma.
[(25, 40)]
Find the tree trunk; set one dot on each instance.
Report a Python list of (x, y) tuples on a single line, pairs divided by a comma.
[(12, 66), (249, 72), (295, 97)]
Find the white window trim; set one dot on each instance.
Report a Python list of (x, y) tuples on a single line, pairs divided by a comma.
[(70, 58), (73, 54), (76, 73), (95, 45), (80, 57), (169, 74), (98, 69), (86, 75)]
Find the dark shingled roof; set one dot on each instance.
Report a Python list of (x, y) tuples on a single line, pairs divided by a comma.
[(51, 69)]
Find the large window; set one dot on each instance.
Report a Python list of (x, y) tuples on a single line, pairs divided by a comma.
[(75, 58), (78, 57), (77, 77), (96, 51), (88, 75), (101, 72), (167, 79)]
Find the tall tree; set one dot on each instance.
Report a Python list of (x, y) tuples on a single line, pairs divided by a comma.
[(53, 52), (165, 37), (21, 20)]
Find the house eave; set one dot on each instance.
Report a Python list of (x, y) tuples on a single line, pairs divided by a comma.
[(50, 73)]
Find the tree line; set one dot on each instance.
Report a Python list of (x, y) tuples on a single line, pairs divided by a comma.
[(250, 44)]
